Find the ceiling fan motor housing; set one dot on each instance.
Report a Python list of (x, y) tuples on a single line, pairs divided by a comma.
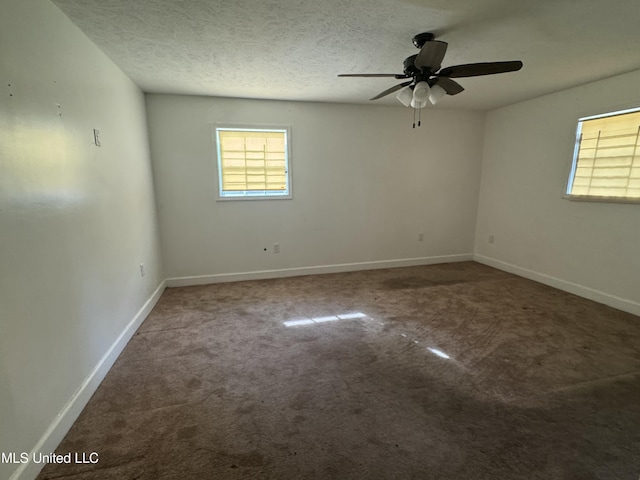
[(409, 66), (410, 70)]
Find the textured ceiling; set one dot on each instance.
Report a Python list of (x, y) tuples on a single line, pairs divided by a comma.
[(294, 49)]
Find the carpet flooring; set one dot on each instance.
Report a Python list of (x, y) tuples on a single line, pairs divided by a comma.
[(454, 371)]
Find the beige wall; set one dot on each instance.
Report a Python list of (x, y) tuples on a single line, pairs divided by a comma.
[(76, 220), (365, 184), (588, 248)]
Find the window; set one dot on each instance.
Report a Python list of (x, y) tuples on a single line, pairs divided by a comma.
[(606, 160), (253, 163)]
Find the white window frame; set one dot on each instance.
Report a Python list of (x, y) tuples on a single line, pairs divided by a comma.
[(614, 111), (255, 194)]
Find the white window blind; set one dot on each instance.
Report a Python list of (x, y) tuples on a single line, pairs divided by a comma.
[(253, 162), (607, 157)]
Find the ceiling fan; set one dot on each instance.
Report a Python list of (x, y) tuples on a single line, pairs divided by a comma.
[(428, 83)]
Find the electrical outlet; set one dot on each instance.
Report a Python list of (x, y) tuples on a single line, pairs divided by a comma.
[(420, 237), (492, 239), (142, 269), (276, 248), (96, 137)]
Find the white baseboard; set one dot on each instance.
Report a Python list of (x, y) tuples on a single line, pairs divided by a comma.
[(623, 304), (316, 270), (68, 415)]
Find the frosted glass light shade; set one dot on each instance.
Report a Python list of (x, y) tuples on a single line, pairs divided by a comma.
[(421, 92), (436, 93), (405, 96)]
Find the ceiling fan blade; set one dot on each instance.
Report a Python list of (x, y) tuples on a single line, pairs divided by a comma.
[(394, 75), (451, 87), (395, 88), (431, 55), (478, 69)]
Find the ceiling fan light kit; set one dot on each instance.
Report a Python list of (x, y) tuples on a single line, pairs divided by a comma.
[(418, 103), (427, 82), (405, 96), (436, 93), (421, 92)]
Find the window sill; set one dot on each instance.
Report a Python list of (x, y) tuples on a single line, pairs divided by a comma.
[(253, 198), (586, 198)]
